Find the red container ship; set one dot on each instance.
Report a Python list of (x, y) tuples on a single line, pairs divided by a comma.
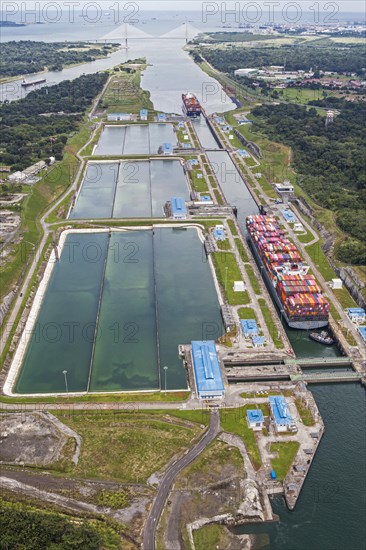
[(191, 105), (296, 293)]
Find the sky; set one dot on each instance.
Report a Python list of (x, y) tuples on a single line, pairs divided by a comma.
[(358, 6)]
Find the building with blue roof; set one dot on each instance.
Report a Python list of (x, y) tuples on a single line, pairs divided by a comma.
[(243, 153), (280, 414), (161, 117), (289, 216), (362, 331), (255, 419), (206, 198), (167, 149), (219, 234), (356, 314), (143, 114), (207, 372), (258, 341), (249, 327), (179, 209)]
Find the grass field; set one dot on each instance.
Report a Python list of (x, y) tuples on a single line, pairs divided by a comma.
[(270, 323), (227, 271), (305, 413), (287, 451), (125, 94), (234, 421), (247, 313), (138, 444)]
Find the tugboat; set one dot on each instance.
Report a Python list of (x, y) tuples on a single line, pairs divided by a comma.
[(322, 337)]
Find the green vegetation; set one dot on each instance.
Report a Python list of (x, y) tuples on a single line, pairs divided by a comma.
[(34, 530), (211, 536), (287, 451), (103, 398), (232, 227), (198, 184), (26, 57), (270, 323), (241, 250), (253, 279), (227, 271), (342, 58), (247, 313), (27, 137), (211, 461), (138, 443), (305, 413), (306, 237), (124, 92), (224, 245), (329, 162), (113, 499), (235, 421)]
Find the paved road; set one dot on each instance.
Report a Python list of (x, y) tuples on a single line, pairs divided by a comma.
[(168, 479)]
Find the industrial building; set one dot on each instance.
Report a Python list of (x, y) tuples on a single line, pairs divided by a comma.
[(249, 328), (356, 314), (207, 372), (179, 209), (280, 414), (28, 174), (115, 117), (255, 419), (143, 114)]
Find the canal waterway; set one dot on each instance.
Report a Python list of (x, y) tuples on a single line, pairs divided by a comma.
[(138, 139)]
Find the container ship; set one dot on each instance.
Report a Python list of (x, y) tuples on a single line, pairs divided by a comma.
[(26, 83), (191, 105), (295, 291)]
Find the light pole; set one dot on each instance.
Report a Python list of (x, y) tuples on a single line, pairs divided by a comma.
[(165, 369), (226, 268), (64, 372)]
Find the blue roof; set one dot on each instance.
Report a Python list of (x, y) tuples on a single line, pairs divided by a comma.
[(280, 409), (206, 367), (243, 152), (249, 327), (167, 148), (258, 339), (193, 162), (161, 116), (143, 112), (219, 234), (356, 311), (362, 331), (178, 206), (289, 216), (273, 474), (205, 198), (255, 415), (187, 145)]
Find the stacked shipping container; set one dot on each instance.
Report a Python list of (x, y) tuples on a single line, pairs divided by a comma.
[(299, 294)]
